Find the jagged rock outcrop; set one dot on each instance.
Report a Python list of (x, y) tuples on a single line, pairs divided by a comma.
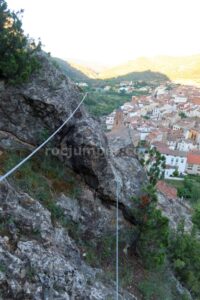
[(40, 106), (39, 260), (95, 219), (176, 210)]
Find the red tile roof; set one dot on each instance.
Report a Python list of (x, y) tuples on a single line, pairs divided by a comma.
[(164, 149), (167, 190), (193, 158), (196, 101)]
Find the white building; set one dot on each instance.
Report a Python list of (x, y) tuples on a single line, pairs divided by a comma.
[(167, 108), (172, 144), (127, 107), (110, 120), (182, 145), (193, 163), (195, 112), (82, 84), (161, 90), (186, 146), (169, 171), (180, 99), (144, 132), (156, 113), (175, 160), (133, 114), (107, 88)]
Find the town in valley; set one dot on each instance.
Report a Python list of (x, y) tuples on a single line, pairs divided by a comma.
[(168, 119)]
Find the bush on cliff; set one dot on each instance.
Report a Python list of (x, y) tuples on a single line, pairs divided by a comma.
[(151, 239), (17, 61), (184, 254)]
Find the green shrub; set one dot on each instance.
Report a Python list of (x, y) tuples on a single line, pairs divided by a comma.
[(43, 178), (17, 50), (184, 253), (2, 268), (153, 229), (190, 189), (176, 173), (160, 285), (196, 217)]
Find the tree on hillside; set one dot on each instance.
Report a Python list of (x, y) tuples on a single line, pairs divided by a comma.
[(184, 253), (196, 216), (154, 164), (182, 114), (152, 229), (190, 190), (17, 61), (151, 238)]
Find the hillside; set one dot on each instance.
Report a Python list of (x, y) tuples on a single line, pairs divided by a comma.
[(57, 220), (56, 216), (78, 72), (176, 68), (86, 70), (79, 210), (185, 69), (74, 71), (146, 75)]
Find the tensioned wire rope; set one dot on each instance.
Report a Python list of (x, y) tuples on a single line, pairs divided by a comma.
[(117, 242), (15, 168)]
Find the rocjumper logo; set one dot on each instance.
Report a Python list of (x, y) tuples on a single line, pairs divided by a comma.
[(66, 149), (70, 151)]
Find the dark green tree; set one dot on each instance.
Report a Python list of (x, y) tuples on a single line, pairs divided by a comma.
[(184, 253), (17, 60), (176, 173), (183, 115), (190, 189), (151, 239), (196, 216), (155, 165), (152, 229)]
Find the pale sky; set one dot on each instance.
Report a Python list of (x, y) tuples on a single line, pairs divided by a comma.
[(113, 31)]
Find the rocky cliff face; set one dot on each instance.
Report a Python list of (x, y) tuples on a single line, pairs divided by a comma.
[(42, 105), (176, 210), (39, 260)]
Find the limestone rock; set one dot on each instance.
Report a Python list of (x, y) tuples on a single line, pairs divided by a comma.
[(176, 210), (95, 219), (38, 107), (46, 265)]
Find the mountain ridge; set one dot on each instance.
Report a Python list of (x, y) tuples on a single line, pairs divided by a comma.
[(80, 73), (180, 69)]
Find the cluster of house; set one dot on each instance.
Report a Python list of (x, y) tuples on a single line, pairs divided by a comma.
[(82, 84), (168, 119), (179, 163), (130, 86), (124, 87)]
